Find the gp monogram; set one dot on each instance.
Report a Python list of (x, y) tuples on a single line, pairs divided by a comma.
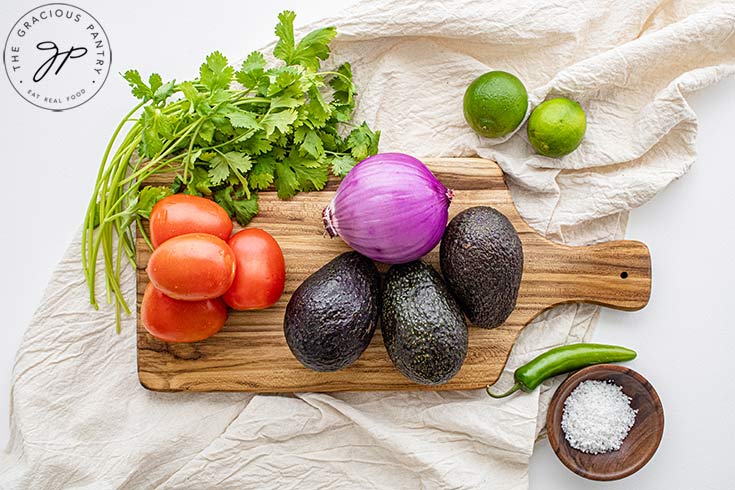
[(57, 56)]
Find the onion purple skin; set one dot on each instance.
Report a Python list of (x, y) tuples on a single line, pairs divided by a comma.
[(390, 208)]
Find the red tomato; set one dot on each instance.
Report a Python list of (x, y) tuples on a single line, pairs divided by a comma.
[(261, 270), (192, 267), (181, 214), (174, 320)]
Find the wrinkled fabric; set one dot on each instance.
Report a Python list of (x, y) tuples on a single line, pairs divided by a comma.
[(80, 419)]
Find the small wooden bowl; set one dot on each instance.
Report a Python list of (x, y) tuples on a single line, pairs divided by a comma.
[(642, 440)]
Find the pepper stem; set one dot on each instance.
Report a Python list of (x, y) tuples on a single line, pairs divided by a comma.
[(515, 388)]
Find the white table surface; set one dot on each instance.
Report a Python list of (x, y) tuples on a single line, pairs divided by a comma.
[(683, 337)]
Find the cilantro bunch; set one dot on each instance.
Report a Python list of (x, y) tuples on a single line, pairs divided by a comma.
[(227, 135)]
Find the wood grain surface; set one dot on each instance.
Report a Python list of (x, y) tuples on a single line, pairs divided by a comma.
[(642, 440), (250, 353)]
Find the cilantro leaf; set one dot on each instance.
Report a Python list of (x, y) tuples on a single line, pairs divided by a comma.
[(278, 152), (155, 82), (177, 185), (278, 120), (299, 135), (280, 101), (317, 109), (195, 98), (283, 78), (224, 130), (139, 88), (220, 95), (251, 71), (242, 119), (238, 161), (219, 170), (311, 174), (164, 91), (363, 142), (151, 144), (156, 128), (222, 165), (261, 176), (199, 182), (206, 131), (313, 48), (148, 197), (246, 209), (312, 144), (286, 181), (342, 112), (215, 72), (342, 164), (257, 145), (190, 158), (243, 210), (312, 179), (342, 84), (331, 139), (284, 30)]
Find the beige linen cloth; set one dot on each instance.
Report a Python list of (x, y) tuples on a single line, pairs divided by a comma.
[(81, 420)]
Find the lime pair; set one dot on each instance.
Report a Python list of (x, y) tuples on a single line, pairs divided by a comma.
[(496, 103)]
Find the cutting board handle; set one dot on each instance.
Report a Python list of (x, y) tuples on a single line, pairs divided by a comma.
[(614, 274)]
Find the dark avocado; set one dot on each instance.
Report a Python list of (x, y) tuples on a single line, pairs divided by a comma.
[(332, 315), (481, 259), (423, 328)]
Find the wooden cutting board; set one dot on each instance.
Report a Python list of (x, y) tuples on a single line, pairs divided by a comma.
[(250, 353)]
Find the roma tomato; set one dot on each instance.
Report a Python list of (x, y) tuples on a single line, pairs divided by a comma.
[(181, 214), (192, 267), (261, 270), (173, 320)]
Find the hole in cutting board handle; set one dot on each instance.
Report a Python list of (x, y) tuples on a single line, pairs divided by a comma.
[(624, 275)]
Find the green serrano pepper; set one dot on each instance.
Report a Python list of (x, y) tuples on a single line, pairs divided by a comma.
[(563, 360)]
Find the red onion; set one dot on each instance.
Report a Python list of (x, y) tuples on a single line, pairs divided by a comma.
[(390, 207)]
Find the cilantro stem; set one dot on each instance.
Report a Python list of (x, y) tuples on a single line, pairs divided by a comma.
[(118, 328), (132, 189), (125, 155), (135, 176), (338, 74), (242, 137), (107, 242), (108, 180), (141, 231), (116, 279), (104, 238), (191, 146), (89, 220), (252, 100)]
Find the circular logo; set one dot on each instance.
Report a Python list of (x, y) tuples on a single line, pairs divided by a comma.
[(57, 56)]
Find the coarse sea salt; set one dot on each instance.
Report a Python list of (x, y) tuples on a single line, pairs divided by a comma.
[(597, 417)]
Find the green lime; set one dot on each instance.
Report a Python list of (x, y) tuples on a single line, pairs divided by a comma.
[(495, 104), (556, 127)]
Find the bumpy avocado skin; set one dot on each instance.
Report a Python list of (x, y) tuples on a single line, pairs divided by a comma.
[(332, 315), (423, 327), (481, 258)]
